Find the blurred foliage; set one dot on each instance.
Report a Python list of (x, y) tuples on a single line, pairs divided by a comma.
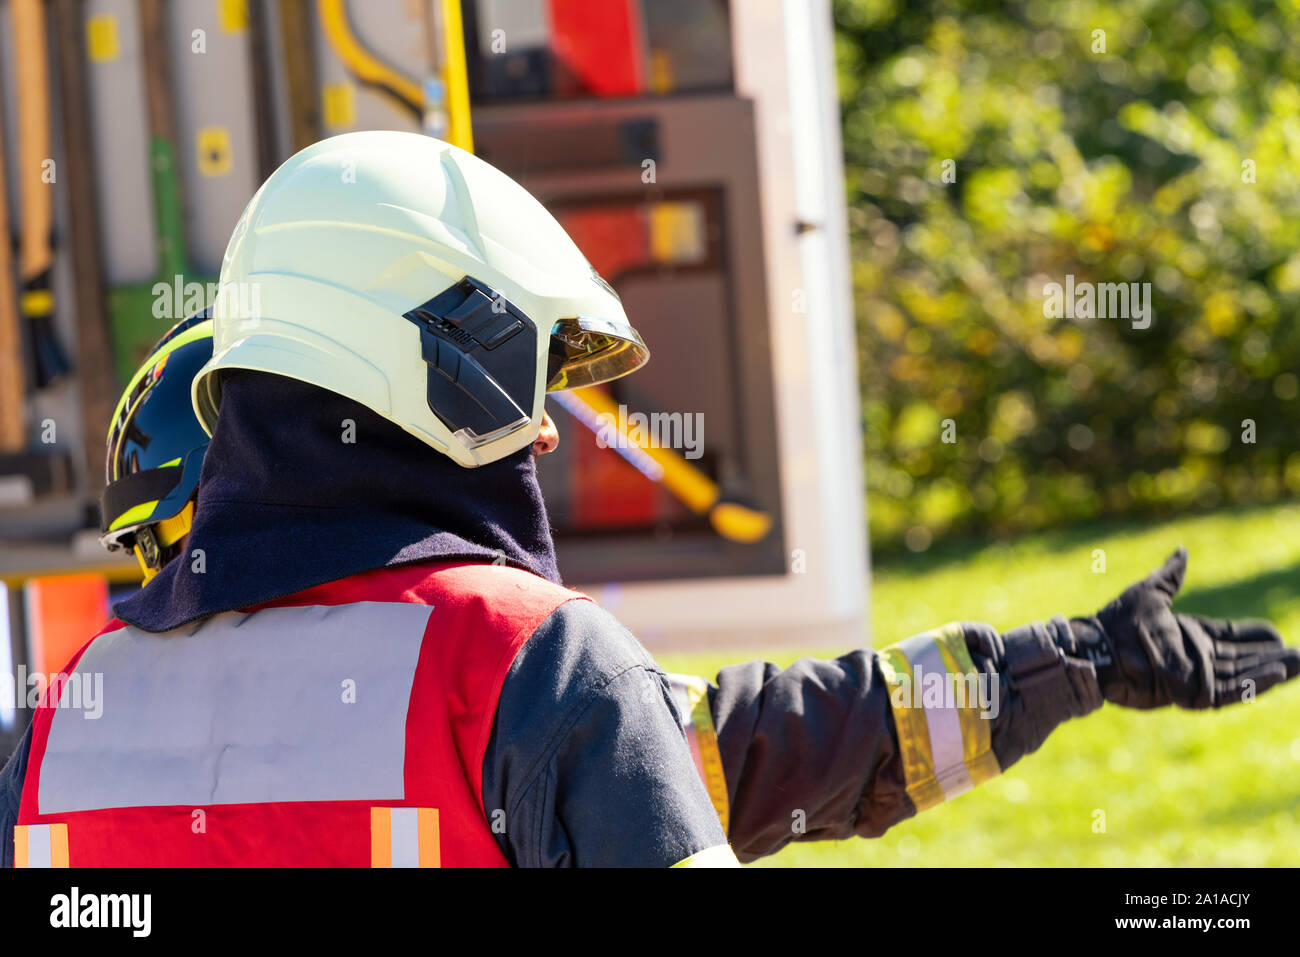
[(1129, 165)]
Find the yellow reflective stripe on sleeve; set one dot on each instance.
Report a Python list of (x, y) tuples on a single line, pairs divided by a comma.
[(945, 744), (720, 856), (977, 742), (41, 845), (913, 734), (692, 696)]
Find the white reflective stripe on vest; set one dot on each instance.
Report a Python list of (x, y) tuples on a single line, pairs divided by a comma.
[(283, 704), (942, 720)]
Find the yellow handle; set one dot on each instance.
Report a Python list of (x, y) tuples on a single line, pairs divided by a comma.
[(687, 483)]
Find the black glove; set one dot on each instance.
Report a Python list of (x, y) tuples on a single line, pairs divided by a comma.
[(1148, 656)]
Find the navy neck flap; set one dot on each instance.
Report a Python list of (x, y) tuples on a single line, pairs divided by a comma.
[(286, 502)]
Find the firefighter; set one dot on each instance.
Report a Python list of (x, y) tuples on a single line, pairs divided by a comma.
[(154, 452), (365, 657)]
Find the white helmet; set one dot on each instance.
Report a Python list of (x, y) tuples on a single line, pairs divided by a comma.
[(416, 279)]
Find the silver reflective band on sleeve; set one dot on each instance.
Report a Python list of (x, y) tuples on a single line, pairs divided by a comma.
[(940, 716), (283, 704), (719, 856), (681, 686), (942, 721)]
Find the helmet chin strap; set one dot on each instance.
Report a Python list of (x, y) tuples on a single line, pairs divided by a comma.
[(147, 554), (151, 544)]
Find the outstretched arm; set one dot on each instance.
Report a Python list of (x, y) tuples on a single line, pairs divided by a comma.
[(831, 749)]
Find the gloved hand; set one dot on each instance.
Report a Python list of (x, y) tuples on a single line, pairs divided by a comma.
[(1148, 655)]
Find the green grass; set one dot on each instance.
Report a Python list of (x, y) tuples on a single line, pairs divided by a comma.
[(1177, 787)]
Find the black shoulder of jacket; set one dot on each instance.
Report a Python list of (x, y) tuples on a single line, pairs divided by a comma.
[(587, 764), (11, 794)]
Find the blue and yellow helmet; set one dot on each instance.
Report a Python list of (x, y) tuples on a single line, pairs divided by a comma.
[(155, 449)]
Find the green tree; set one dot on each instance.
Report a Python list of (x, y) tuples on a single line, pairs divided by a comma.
[(992, 149)]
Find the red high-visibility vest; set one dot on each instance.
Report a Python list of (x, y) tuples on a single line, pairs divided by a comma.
[(345, 725)]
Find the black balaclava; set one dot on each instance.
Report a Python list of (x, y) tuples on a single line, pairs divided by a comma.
[(287, 502)]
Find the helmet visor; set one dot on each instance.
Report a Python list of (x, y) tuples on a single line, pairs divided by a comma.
[(588, 351), (155, 426)]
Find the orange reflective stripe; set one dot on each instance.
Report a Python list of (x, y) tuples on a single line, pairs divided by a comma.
[(430, 839), (20, 845), (58, 845), (381, 838)]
